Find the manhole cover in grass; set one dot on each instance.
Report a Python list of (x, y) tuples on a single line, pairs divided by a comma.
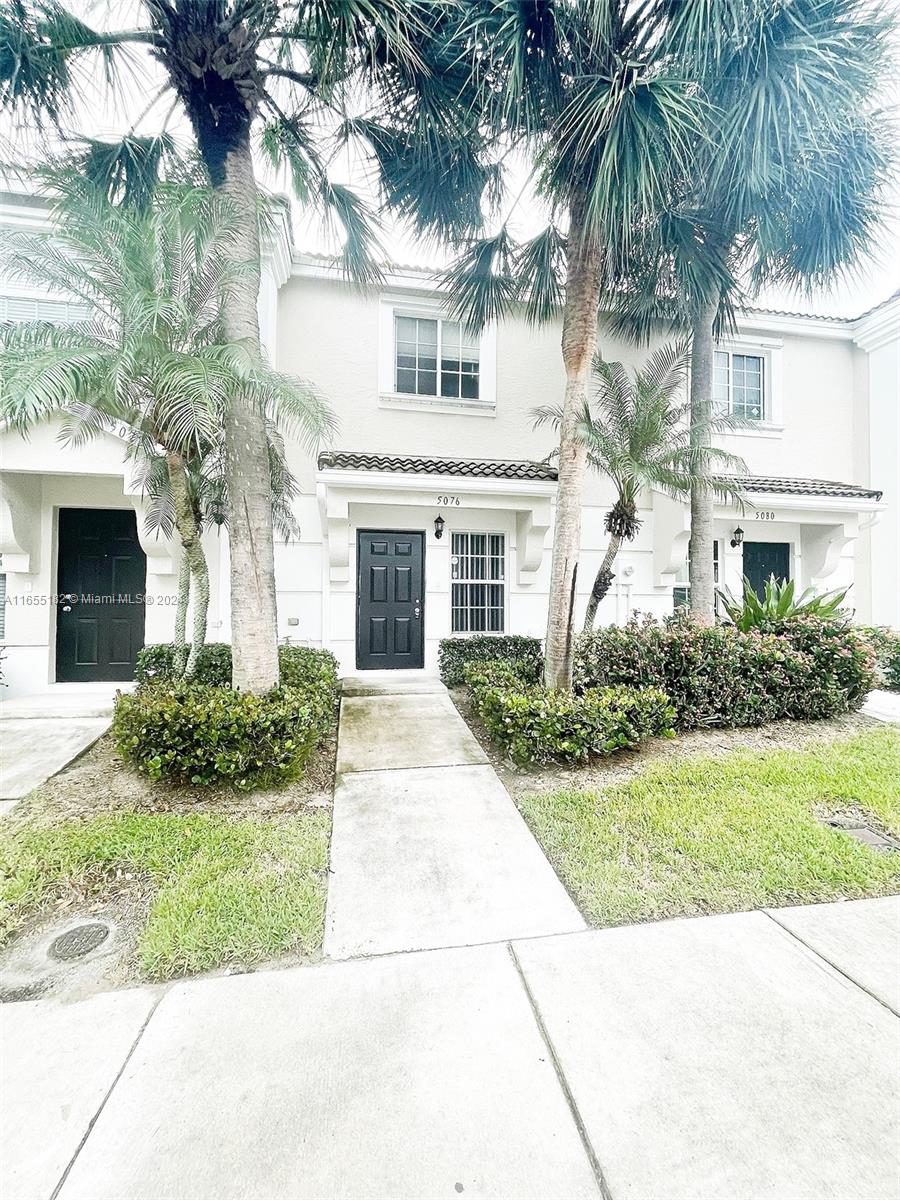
[(77, 942)]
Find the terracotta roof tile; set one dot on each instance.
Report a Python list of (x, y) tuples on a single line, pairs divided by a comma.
[(807, 487), (475, 468)]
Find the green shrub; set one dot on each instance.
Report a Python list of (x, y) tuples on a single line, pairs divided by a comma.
[(537, 725), (299, 665), (456, 653), (187, 732), (886, 644), (719, 676), (157, 662)]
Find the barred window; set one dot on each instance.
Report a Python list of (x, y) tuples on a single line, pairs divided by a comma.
[(681, 593), (2, 600), (436, 358), (478, 588)]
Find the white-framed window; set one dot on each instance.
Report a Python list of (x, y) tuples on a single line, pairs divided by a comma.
[(427, 362), (681, 593), (739, 384), (2, 600), (39, 308), (477, 582), (435, 357)]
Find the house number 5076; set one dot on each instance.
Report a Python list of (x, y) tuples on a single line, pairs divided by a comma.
[(451, 501)]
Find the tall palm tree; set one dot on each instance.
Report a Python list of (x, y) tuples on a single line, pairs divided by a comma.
[(284, 73), (786, 189), (636, 430), (150, 362), (585, 93)]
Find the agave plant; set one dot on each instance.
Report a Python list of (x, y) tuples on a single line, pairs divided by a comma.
[(779, 603)]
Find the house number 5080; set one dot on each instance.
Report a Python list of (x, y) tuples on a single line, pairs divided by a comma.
[(452, 501), (764, 515)]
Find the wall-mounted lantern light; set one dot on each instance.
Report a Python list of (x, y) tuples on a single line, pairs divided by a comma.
[(439, 527), (738, 538)]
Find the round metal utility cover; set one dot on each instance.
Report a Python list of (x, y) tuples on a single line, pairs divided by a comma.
[(77, 942)]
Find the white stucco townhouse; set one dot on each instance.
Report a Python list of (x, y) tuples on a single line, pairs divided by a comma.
[(432, 513)]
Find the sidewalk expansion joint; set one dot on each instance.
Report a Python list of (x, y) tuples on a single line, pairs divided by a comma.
[(602, 1185), (96, 1117), (838, 970)]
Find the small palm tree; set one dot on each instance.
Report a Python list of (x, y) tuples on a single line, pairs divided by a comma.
[(150, 362), (636, 431)]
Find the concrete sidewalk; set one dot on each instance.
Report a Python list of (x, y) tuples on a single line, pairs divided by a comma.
[(42, 733), (746, 1057), (427, 848)]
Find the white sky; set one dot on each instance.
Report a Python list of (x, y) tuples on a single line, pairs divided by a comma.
[(878, 279)]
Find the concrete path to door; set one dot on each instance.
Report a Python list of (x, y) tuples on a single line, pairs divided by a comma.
[(744, 1057), (883, 706), (42, 733), (427, 849)]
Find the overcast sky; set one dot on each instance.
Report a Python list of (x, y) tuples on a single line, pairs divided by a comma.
[(875, 282)]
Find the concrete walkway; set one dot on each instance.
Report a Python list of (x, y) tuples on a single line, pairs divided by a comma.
[(42, 733), (427, 850), (746, 1057), (883, 706)]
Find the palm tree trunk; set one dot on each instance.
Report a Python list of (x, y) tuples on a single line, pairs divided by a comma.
[(700, 566), (254, 629), (184, 593), (193, 568), (579, 341), (602, 582)]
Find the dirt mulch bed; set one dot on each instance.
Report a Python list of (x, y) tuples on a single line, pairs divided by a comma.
[(99, 781), (619, 768)]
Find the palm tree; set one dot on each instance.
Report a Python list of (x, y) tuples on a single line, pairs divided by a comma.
[(239, 69), (584, 92), (636, 430), (786, 188), (150, 362)]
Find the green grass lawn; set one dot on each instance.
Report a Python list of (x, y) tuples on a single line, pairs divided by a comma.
[(223, 890), (726, 834)]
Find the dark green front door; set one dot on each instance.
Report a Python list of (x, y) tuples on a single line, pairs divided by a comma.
[(390, 610), (763, 559), (100, 609)]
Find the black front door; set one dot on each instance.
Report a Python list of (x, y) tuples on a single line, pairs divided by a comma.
[(101, 579), (390, 607), (763, 559)]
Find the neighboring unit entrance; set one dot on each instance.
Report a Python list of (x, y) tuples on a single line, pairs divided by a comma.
[(390, 604), (762, 559), (100, 583)]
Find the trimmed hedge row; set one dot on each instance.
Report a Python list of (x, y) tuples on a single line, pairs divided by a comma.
[(537, 725), (886, 643), (716, 676), (455, 654), (203, 732)]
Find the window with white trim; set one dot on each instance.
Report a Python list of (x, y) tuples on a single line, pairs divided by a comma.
[(681, 593), (434, 357), (2, 600), (30, 308), (478, 582), (739, 384)]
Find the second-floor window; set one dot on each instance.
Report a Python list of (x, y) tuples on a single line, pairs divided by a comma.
[(739, 384), (435, 357)]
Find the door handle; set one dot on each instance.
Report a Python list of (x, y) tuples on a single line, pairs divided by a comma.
[(416, 610)]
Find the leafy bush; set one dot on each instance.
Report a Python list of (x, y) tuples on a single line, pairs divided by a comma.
[(300, 665), (157, 662), (886, 644), (538, 725), (779, 604), (186, 732), (719, 676), (202, 731), (456, 653)]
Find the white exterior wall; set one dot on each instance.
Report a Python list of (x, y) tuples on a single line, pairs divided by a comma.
[(834, 389)]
